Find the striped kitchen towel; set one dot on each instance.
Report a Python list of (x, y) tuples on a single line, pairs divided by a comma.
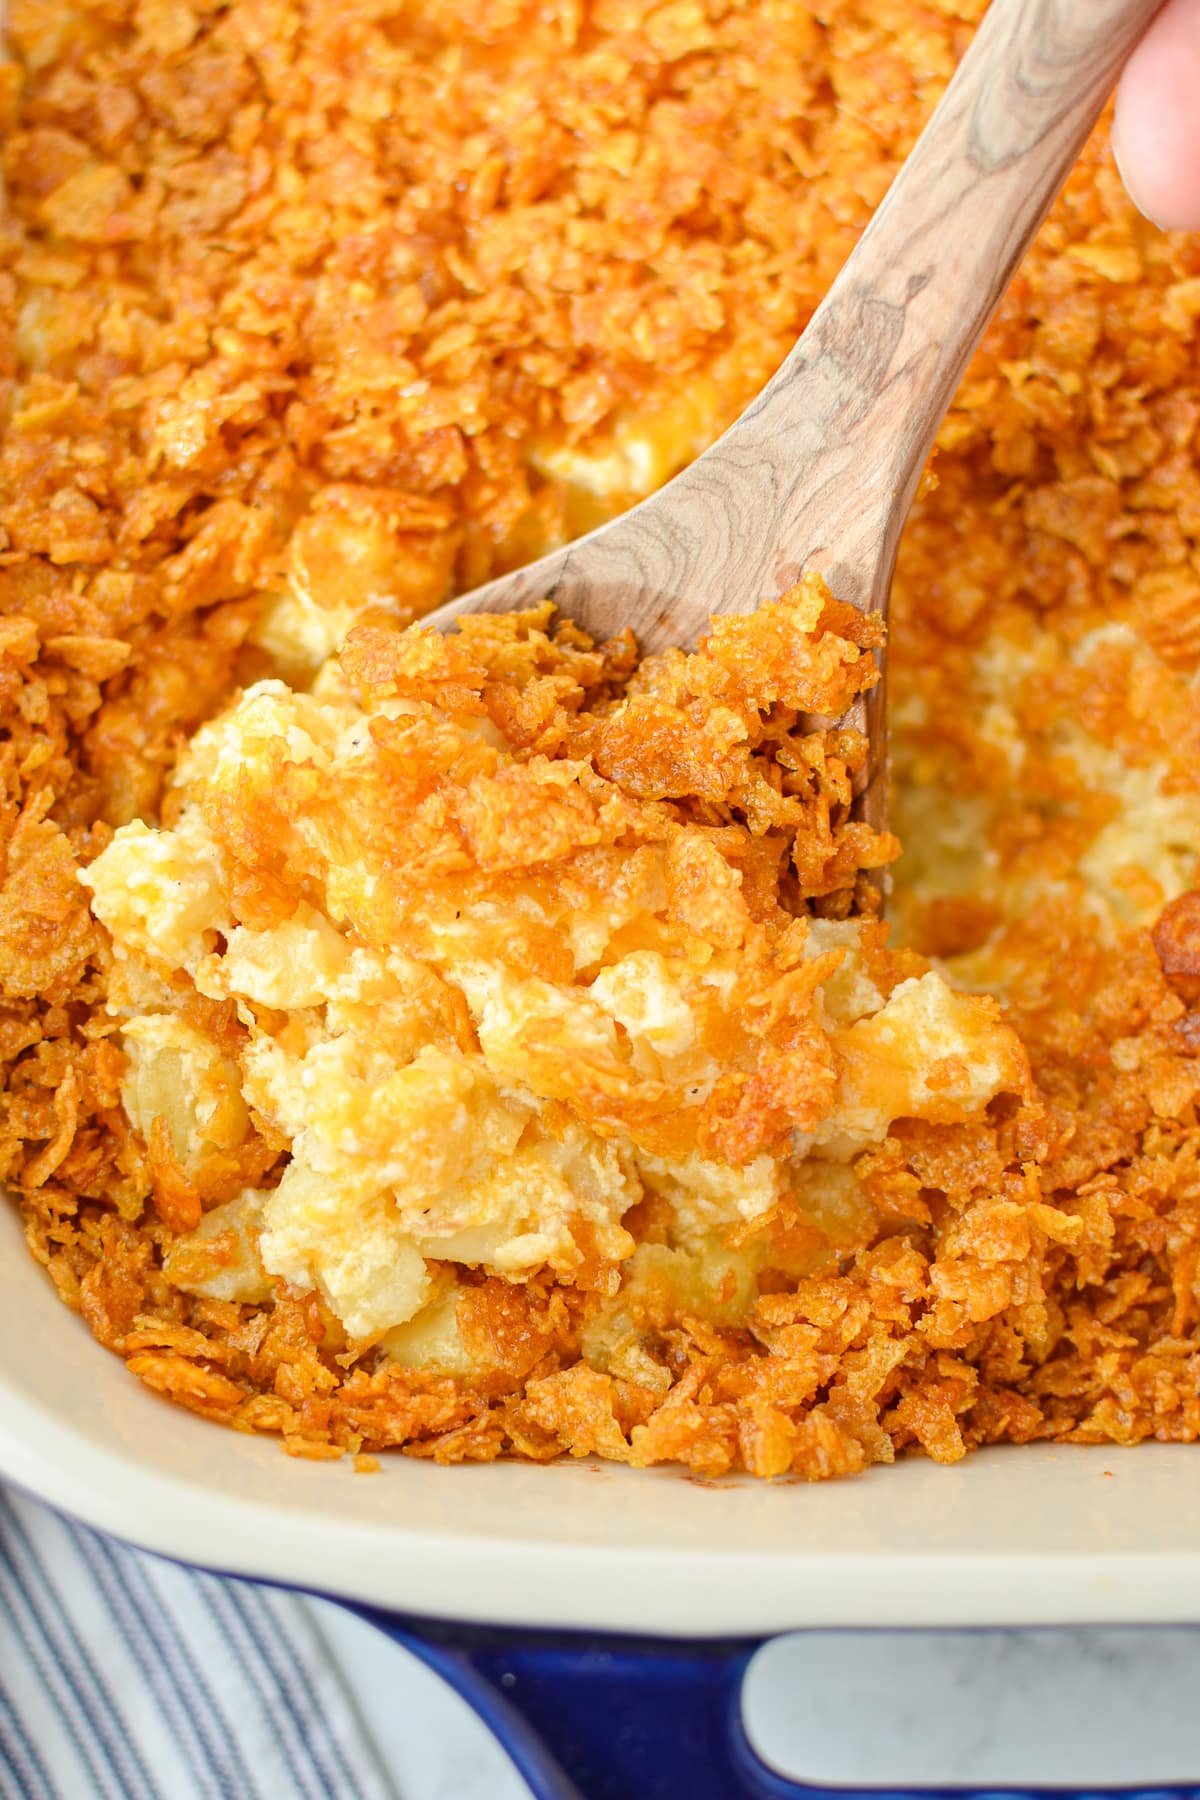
[(123, 1677)]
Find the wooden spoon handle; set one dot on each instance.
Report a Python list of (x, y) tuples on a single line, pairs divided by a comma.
[(821, 468), (883, 355)]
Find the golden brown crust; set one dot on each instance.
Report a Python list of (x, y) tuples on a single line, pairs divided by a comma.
[(1176, 939)]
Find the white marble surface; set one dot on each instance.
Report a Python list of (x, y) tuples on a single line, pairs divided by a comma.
[(995, 1710), (991, 1709), (428, 1739)]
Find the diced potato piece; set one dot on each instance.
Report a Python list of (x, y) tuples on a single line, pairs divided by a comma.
[(159, 892), (177, 1073), (220, 1258), (930, 1053), (432, 1341), (350, 1243)]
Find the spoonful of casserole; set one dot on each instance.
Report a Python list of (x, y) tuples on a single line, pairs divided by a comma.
[(819, 471)]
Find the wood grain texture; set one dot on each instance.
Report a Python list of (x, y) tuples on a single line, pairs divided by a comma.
[(821, 468)]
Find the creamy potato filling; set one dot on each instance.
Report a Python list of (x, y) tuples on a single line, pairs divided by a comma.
[(502, 945)]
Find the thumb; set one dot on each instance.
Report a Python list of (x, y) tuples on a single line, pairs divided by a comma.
[(1156, 133)]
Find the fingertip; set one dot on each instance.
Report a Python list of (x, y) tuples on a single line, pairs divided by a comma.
[(1156, 131), (1147, 195)]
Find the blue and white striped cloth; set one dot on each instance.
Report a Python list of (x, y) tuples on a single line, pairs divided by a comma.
[(123, 1677)]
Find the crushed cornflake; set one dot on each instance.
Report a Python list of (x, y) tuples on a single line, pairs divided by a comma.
[(314, 315)]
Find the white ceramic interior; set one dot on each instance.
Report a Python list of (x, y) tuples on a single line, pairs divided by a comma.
[(1029, 1536)]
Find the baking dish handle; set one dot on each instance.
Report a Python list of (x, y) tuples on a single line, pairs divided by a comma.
[(604, 1721)]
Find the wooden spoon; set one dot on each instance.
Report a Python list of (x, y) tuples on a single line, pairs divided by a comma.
[(820, 469)]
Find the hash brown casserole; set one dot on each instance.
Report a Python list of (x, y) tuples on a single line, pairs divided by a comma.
[(485, 1044)]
